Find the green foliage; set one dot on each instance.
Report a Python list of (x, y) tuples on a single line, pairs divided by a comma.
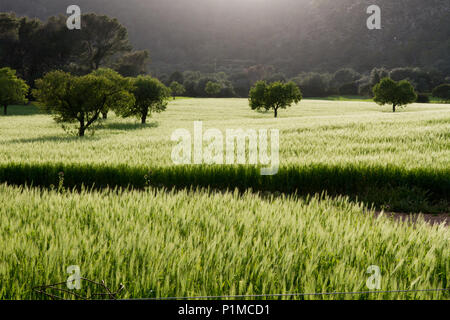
[(442, 92), (150, 96), (213, 88), (177, 89), (119, 88), (13, 90), (396, 93), (313, 84), (177, 76), (344, 76), (80, 99), (275, 96), (133, 64), (102, 37)]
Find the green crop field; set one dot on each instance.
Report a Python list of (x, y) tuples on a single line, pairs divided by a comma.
[(115, 204), (186, 243)]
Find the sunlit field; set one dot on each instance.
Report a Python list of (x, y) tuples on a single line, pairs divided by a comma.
[(353, 148), (115, 204), (329, 132), (186, 243)]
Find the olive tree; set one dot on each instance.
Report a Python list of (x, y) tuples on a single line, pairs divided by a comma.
[(13, 90), (81, 100), (150, 96), (275, 96), (117, 83), (388, 91)]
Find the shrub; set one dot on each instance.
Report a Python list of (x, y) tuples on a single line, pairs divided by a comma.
[(442, 92), (423, 98)]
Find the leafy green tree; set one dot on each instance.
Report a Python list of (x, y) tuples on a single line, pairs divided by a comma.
[(33, 47), (442, 92), (116, 83), (13, 90), (177, 89), (81, 100), (213, 88), (150, 96), (387, 91), (102, 38), (274, 96)]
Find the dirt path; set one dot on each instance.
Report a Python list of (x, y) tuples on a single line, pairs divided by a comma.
[(433, 219)]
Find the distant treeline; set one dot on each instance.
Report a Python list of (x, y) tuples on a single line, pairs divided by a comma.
[(293, 35), (344, 82), (33, 48)]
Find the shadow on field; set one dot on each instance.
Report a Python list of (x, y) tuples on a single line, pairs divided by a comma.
[(58, 138), (128, 126), (29, 110), (387, 188)]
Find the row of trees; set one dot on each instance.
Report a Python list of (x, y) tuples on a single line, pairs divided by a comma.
[(84, 99), (33, 47), (277, 95), (345, 81)]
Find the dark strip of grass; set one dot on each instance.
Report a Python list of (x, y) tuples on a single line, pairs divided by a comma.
[(392, 188)]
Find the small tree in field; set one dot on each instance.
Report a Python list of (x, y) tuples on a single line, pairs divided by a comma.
[(150, 96), (275, 96), (442, 92), (12, 89), (177, 89), (387, 91), (79, 100), (213, 88)]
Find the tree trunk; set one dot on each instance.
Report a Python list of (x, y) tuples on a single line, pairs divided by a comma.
[(393, 108), (144, 119), (105, 115), (5, 109), (276, 112), (82, 129)]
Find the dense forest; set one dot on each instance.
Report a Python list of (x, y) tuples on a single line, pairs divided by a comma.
[(297, 36)]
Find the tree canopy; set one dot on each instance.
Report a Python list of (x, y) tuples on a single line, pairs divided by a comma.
[(12, 89), (213, 88), (150, 96), (274, 96), (74, 99), (177, 89), (388, 91)]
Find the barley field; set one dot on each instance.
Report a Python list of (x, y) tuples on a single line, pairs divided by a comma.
[(116, 205)]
